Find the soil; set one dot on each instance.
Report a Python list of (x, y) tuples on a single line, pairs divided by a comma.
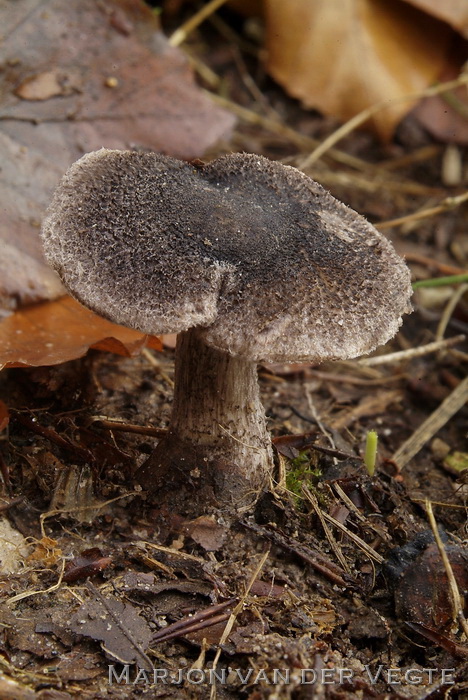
[(332, 586)]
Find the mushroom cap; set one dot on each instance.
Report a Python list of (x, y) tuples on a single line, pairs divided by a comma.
[(256, 254)]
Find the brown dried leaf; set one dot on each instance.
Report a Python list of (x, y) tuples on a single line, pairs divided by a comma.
[(342, 58), (55, 332), (77, 76), (207, 532), (88, 563), (123, 633), (454, 12)]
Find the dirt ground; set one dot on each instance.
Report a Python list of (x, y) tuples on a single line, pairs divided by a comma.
[(333, 586)]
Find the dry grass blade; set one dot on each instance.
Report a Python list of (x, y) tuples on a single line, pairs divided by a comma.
[(329, 535), (314, 558), (445, 205), (28, 594), (187, 28), (370, 551), (239, 607), (79, 509), (411, 353), (431, 425), (366, 114), (449, 309), (456, 599)]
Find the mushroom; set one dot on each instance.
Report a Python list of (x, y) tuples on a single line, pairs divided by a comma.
[(249, 261)]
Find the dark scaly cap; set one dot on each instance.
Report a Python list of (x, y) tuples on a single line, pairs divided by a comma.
[(257, 254)]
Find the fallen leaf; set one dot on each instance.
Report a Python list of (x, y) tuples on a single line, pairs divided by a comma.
[(55, 332), (123, 633), (77, 76), (88, 563), (139, 582), (341, 58), (207, 532), (78, 666), (454, 12)]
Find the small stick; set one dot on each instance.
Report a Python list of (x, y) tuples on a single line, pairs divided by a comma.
[(443, 268), (120, 624), (187, 28), (314, 558), (431, 425), (366, 114), (445, 205), (411, 352), (116, 424), (370, 551), (350, 379), (449, 309), (192, 624), (157, 365), (333, 543), (239, 607), (456, 599)]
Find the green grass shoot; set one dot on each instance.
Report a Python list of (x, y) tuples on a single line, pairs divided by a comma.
[(370, 454)]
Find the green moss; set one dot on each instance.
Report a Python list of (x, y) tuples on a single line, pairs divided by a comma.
[(303, 470)]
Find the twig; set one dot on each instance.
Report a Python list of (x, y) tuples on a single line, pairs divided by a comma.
[(445, 205), (94, 506), (329, 535), (443, 268), (281, 129), (411, 352), (356, 539), (366, 114), (316, 417), (116, 424), (157, 365), (312, 557), (239, 607), (449, 309), (180, 34), (431, 425), (78, 452), (456, 599), (421, 154), (205, 618), (343, 378), (11, 504)]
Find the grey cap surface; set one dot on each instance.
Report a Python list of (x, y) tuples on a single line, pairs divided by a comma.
[(267, 263)]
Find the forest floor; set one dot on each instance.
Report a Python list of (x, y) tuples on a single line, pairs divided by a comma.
[(334, 585)]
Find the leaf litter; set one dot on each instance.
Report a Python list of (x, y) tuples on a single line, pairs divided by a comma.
[(275, 593)]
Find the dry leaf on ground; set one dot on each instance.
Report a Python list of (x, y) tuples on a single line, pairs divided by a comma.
[(124, 634), (55, 332), (454, 12), (341, 58), (76, 76)]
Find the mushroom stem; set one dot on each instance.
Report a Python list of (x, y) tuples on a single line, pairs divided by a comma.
[(217, 435)]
